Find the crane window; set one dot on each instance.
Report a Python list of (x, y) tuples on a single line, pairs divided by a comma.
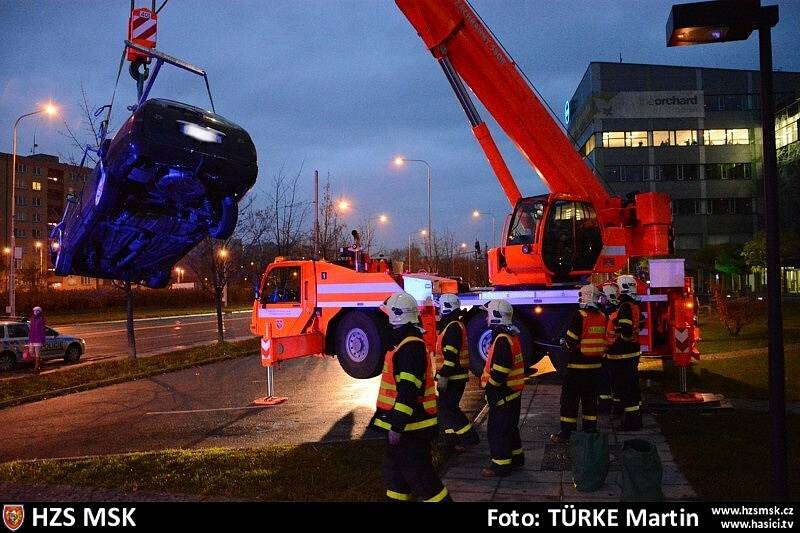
[(523, 226), (282, 285)]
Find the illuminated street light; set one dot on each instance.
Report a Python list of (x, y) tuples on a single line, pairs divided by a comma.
[(463, 245), (722, 21), (383, 219), (399, 161), (223, 253), (50, 110), (343, 205), (38, 246), (478, 214)]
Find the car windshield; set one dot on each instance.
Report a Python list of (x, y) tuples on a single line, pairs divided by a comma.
[(51, 332)]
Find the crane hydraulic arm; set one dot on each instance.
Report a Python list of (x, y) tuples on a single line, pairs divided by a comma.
[(467, 50)]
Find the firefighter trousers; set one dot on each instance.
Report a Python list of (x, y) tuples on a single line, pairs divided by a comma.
[(457, 426), (624, 374), (579, 390), (604, 393), (408, 469), (502, 431)]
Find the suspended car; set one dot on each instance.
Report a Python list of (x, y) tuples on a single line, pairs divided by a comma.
[(171, 176)]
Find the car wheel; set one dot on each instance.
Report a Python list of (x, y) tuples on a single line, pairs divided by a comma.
[(73, 354), (479, 338), (359, 345), (7, 361), (228, 215)]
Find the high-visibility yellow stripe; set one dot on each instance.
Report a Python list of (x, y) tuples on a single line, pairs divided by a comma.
[(493, 382), (572, 335), (428, 404), (567, 419), (599, 349), (509, 398), (605, 396), (382, 423), (388, 386), (409, 377), (623, 355), (449, 363), (593, 341), (398, 496), (403, 408), (589, 417), (499, 368), (518, 451), (464, 429), (459, 376), (511, 383), (582, 366), (501, 462), (422, 424), (625, 321), (449, 348), (631, 409), (385, 399), (439, 497)]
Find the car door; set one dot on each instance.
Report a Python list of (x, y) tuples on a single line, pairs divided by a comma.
[(53, 346), (17, 338)]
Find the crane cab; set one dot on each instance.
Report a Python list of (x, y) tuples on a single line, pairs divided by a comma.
[(548, 238)]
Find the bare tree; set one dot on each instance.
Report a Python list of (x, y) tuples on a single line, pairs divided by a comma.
[(331, 228), (367, 229), (288, 230)]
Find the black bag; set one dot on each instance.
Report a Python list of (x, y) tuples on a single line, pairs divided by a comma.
[(589, 460), (641, 472)]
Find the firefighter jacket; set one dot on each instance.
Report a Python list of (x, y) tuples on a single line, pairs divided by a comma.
[(623, 330), (504, 374), (452, 356), (407, 394), (586, 335)]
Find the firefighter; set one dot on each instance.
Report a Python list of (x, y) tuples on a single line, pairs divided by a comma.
[(452, 371), (623, 353), (586, 344), (607, 401), (503, 379), (406, 407)]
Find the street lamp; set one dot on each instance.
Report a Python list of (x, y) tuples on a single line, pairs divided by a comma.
[(343, 205), (50, 110), (478, 214), (399, 161), (722, 21), (383, 219), (179, 271), (223, 253), (38, 246)]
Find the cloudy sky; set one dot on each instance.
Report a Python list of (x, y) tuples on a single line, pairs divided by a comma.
[(341, 86)]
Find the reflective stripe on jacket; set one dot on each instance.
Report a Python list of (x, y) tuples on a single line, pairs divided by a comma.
[(593, 336), (387, 393), (463, 352), (516, 374)]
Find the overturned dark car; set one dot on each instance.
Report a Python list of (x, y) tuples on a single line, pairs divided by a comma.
[(172, 175)]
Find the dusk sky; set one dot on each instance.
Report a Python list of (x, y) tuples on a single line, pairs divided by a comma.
[(341, 86)]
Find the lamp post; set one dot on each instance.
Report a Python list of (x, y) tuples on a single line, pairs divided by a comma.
[(38, 246), (50, 110), (399, 162), (478, 214), (721, 21)]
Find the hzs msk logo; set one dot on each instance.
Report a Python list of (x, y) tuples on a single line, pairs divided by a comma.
[(13, 515)]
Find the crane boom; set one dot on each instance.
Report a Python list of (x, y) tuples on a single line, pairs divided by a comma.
[(452, 30)]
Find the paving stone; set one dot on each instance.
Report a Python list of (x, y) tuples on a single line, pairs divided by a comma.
[(473, 496), (479, 484), (527, 491), (533, 476), (609, 491)]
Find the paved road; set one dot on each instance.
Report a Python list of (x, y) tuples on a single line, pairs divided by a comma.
[(206, 406), (107, 340)]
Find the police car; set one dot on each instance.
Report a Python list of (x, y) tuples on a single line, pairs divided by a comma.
[(14, 339)]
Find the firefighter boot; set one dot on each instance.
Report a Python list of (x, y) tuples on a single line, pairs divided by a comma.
[(517, 458)]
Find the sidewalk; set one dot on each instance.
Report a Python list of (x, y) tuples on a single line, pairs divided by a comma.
[(547, 474)]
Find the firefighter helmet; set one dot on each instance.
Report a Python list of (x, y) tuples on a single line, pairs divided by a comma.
[(401, 308), (610, 292), (446, 303), (627, 285), (589, 296), (499, 313)]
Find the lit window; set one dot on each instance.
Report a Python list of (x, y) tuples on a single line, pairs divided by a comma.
[(685, 137), (635, 139), (714, 137), (614, 139), (663, 138), (36, 185), (738, 136), (589, 146)]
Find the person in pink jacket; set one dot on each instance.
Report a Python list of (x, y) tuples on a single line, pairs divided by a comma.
[(36, 337)]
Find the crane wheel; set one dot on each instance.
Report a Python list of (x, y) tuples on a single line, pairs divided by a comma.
[(479, 338), (360, 345)]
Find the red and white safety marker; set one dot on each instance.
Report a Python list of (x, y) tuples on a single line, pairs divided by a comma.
[(268, 360), (682, 355), (142, 28)]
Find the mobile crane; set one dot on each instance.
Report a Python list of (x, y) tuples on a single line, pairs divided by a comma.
[(553, 242)]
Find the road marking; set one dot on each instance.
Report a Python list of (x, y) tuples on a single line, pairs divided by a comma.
[(190, 411)]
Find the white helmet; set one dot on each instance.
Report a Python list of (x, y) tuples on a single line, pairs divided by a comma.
[(627, 285), (446, 303), (499, 313), (611, 292), (401, 308), (588, 296)]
